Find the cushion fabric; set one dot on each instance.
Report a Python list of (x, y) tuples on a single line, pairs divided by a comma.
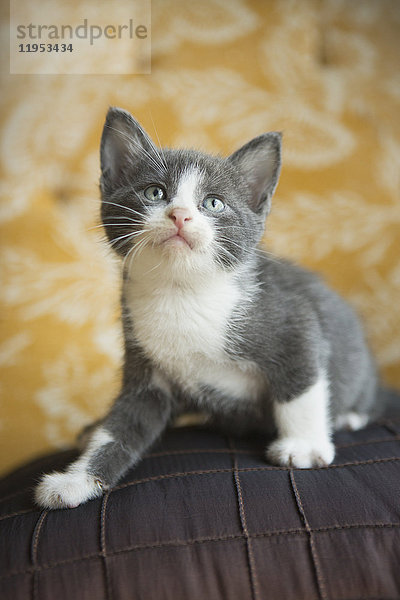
[(325, 72), (204, 516)]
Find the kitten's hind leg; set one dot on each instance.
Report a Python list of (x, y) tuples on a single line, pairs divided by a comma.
[(352, 421), (304, 431)]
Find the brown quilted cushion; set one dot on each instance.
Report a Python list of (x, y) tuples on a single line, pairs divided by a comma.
[(204, 517)]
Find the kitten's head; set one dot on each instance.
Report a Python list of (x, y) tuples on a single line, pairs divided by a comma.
[(184, 208)]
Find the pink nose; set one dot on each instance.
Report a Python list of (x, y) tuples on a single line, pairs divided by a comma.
[(180, 216)]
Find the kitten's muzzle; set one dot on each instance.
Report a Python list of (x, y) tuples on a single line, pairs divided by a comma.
[(178, 239)]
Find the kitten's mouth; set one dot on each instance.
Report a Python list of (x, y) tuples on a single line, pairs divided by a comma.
[(176, 239)]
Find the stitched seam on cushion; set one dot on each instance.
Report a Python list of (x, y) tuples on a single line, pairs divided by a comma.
[(317, 567), (227, 451), (170, 476), (254, 452), (356, 526), (34, 552), (243, 521), (97, 555), (373, 598), (253, 469), (381, 422), (217, 450), (35, 537), (198, 451), (14, 494), (222, 451), (178, 543), (103, 549), (391, 428), (216, 471), (182, 543), (327, 528), (395, 438), (19, 513)]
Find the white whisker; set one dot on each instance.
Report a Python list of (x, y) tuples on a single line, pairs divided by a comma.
[(153, 268), (124, 217), (110, 225), (124, 261), (128, 235), (251, 251), (229, 254), (122, 237), (162, 155), (124, 207), (138, 249)]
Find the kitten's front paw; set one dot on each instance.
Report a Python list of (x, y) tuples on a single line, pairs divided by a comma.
[(67, 490), (300, 453)]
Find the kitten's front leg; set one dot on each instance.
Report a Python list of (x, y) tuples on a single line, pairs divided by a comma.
[(304, 430), (132, 425)]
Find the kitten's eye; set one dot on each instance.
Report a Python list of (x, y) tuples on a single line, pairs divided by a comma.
[(214, 205), (155, 192)]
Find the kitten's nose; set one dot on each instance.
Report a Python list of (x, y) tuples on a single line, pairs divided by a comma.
[(180, 216)]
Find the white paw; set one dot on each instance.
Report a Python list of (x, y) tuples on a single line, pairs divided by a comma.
[(351, 420), (67, 490), (301, 453)]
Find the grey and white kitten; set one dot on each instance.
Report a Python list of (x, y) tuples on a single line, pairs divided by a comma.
[(211, 323)]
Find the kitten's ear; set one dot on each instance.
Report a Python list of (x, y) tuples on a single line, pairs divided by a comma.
[(123, 142), (260, 162)]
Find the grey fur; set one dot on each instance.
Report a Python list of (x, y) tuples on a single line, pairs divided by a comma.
[(293, 327)]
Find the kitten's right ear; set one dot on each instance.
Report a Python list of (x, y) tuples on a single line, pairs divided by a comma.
[(123, 142)]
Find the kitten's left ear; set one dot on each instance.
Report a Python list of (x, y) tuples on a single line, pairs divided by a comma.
[(260, 162)]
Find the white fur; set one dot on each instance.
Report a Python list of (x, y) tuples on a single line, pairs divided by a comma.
[(186, 193), (198, 231), (185, 332), (351, 420), (181, 304), (75, 485), (159, 381), (304, 429), (157, 256)]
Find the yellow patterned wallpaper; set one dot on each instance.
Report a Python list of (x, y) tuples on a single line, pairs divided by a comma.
[(325, 72)]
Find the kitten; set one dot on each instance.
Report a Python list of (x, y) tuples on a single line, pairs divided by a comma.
[(211, 323)]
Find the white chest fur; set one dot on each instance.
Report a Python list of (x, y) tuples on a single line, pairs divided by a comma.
[(185, 331)]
